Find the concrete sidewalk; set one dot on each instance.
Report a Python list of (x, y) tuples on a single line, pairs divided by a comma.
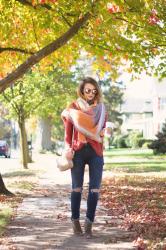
[(43, 219)]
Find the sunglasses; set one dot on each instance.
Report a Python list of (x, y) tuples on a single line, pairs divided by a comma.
[(88, 91)]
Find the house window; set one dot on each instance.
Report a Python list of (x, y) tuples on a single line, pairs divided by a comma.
[(162, 104), (148, 115)]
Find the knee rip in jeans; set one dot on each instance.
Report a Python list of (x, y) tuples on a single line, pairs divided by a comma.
[(78, 190), (95, 190)]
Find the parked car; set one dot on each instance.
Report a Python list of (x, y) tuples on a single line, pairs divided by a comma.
[(5, 149)]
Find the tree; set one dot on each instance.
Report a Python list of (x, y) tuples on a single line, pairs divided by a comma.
[(3, 189), (5, 125), (113, 96), (159, 145), (20, 105), (53, 91), (49, 115), (35, 94), (122, 31)]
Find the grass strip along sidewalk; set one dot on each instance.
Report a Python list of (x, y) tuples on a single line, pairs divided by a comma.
[(21, 183), (138, 200)]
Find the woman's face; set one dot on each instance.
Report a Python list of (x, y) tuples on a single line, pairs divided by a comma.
[(89, 92)]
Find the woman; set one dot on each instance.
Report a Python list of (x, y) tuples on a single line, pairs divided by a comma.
[(84, 122)]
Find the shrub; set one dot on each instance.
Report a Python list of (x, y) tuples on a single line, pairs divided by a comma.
[(133, 139), (143, 143), (119, 141), (159, 145)]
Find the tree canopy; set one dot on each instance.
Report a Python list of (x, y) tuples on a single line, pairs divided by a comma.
[(121, 31), (39, 94)]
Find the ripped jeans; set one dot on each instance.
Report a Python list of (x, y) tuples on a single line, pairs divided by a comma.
[(86, 155)]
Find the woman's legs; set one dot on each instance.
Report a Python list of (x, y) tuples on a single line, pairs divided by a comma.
[(95, 177), (77, 174), (95, 162)]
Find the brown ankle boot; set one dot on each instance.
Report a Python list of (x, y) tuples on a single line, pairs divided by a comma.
[(88, 228), (77, 227)]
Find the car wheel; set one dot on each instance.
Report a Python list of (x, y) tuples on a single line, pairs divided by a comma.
[(5, 156)]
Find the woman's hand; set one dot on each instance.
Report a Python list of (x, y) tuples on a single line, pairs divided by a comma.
[(69, 153), (102, 132)]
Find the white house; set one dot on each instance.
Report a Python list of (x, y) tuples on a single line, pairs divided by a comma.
[(144, 107)]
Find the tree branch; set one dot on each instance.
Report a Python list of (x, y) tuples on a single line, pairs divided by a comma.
[(14, 105), (136, 25), (25, 2), (27, 114), (50, 48), (35, 35), (16, 50), (123, 19), (65, 19), (48, 7)]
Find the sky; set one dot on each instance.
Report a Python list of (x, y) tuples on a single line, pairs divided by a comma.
[(142, 88)]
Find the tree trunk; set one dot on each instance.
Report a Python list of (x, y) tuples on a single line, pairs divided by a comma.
[(43, 139), (3, 189), (24, 144)]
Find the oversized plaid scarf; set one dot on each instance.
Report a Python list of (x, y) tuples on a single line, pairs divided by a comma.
[(88, 120)]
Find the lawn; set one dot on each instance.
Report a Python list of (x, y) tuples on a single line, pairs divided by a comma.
[(134, 160), (138, 201)]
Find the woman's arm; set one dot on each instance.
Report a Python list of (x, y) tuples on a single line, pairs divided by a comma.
[(68, 152), (68, 134), (103, 130), (106, 119)]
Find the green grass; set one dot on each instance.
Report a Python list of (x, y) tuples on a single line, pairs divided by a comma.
[(23, 180), (21, 173), (129, 152), (136, 167), (132, 161), (5, 215), (26, 185)]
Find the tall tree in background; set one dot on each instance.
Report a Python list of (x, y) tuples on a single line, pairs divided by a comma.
[(36, 94), (5, 125), (39, 94), (113, 97), (122, 30), (62, 90)]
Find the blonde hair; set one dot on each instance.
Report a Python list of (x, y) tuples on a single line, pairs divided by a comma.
[(98, 96)]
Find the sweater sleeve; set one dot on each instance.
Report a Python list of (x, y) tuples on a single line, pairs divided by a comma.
[(68, 133), (106, 119)]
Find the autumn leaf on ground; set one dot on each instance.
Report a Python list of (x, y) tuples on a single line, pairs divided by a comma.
[(140, 202)]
